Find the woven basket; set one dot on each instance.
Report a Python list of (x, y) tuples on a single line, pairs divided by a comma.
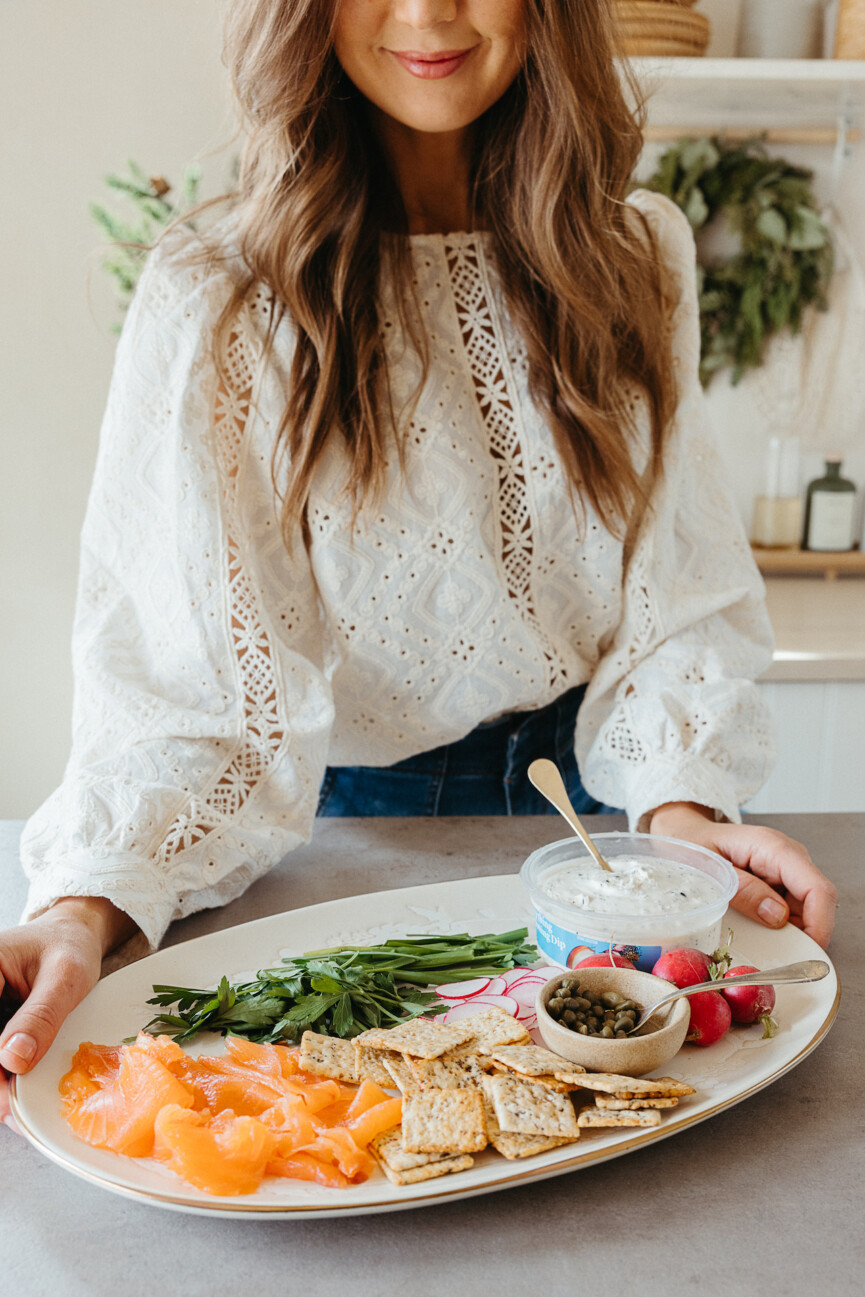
[(660, 27), (850, 30)]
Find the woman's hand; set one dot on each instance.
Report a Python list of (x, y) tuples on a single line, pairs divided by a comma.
[(48, 966), (778, 880)]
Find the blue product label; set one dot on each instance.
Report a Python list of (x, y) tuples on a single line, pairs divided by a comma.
[(568, 948)]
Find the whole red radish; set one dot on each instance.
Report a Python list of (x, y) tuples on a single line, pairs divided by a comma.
[(710, 1017), (751, 1003), (684, 967), (605, 959)]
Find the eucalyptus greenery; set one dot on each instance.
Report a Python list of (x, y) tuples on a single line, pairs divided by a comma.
[(785, 259), (149, 211)]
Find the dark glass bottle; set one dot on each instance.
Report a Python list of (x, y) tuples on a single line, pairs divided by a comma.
[(830, 509)]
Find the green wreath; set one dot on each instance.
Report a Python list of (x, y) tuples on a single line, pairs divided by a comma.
[(785, 258)]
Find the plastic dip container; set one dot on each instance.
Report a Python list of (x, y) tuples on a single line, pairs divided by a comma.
[(567, 933)]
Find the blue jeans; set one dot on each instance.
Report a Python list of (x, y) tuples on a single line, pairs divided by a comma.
[(482, 774)]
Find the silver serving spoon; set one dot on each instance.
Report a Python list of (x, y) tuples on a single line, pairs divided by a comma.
[(811, 970), (546, 778)]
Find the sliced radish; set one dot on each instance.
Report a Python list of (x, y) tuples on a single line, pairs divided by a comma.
[(478, 1002), (498, 986), (525, 992), (463, 990)]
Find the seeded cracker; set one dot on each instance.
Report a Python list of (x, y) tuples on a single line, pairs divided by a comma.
[(628, 1087), (513, 1146), (548, 1082), (370, 1064), (420, 1039), (460, 1070), (327, 1056), (444, 1121), (492, 1027), (412, 1168), (592, 1116), (622, 1105), (528, 1109), (530, 1060), (401, 1075)]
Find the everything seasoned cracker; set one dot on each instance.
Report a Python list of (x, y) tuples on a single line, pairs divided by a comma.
[(592, 1116), (492, 1027), (530, 1060), (328, 1056), (628, 1087), (412, 1168), (401, 1075), (444, 1121), (420, 1039), (461, 1070), (370, 1064), (527, 1109), (621, 1105), (512, 1145), (549, 1082)]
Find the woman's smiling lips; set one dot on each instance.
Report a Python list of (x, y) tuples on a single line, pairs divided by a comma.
[(431, 66)]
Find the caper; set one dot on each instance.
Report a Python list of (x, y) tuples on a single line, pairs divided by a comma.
[(597, 1011), (607, 1032), (611, 999), (582, 1029), (569, 1017), (583, 1003), (621, 1035), (556, 1004)]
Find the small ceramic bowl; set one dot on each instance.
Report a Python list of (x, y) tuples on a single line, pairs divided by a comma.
[(636, 1054)]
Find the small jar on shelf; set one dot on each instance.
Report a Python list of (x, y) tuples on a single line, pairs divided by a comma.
[(830, 510)]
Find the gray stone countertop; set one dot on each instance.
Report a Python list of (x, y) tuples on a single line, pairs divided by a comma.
[(762, 1200)]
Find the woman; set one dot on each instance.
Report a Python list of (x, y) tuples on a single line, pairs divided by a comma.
[(468, 364)]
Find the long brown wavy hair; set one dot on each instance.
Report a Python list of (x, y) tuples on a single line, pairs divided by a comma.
[(320, 217)]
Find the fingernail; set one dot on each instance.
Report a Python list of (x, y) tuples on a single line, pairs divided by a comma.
[(772, 912), (21, 1046)]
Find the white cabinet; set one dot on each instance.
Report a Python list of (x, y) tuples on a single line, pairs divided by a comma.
[(820, 731)]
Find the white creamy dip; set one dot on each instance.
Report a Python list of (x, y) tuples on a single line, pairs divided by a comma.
[(637, 885)]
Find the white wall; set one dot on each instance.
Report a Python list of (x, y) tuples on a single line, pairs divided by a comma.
[(85, 84)]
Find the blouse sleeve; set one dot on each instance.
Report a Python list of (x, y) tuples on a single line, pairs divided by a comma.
[(672, 712), (200, 731)]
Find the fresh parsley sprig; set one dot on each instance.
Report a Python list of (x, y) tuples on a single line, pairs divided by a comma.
[(340, 991)]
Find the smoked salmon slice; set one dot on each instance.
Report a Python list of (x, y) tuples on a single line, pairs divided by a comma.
[(222, 1124), (120, 1113)]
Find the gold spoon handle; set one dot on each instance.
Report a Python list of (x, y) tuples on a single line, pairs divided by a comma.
[(546, 778)]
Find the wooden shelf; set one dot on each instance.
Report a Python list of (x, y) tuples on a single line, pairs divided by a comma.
[(799, 562), (752, 93)]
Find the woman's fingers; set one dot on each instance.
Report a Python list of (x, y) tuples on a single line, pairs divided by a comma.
[(778, 880), (767, 860), (60, 984), (759, 901)]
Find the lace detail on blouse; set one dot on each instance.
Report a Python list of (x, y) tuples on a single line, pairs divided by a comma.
[(487, 360), (263, 732)]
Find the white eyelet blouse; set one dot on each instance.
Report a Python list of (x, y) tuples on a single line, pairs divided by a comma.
[(216, 675)]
